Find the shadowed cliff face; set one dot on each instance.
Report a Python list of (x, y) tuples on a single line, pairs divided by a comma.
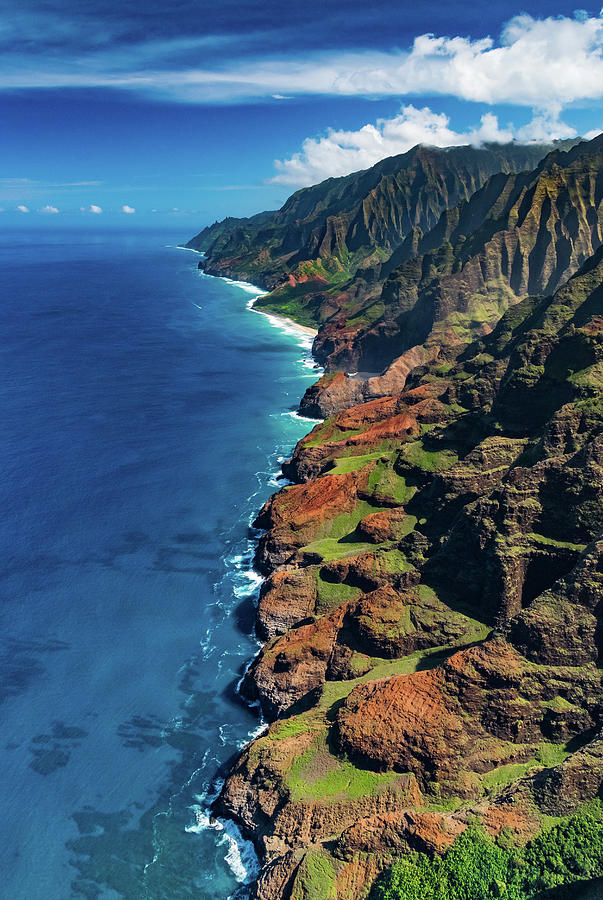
[(434, 604)]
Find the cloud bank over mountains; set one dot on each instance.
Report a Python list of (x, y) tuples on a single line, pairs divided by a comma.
[(340, 152)]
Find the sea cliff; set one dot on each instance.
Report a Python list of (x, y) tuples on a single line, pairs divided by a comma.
[(433, 573)]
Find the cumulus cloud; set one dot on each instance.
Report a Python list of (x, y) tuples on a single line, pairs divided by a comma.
[(49, 210), (128, 209), (537, 62), (95, 209), (341, 152), (23, 209)]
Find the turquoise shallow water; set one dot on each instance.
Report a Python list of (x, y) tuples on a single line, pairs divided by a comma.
[(145, 410)]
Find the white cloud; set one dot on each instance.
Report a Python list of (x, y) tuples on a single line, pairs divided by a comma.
[(341, 152), (128, 209), (95, 209), (23, 209), (50, 210), (543, 63), (545, 127)]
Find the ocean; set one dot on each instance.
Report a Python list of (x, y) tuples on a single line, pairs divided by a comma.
[(145, 411)]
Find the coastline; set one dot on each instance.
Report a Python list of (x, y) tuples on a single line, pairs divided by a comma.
[(245, 865), (282, 321), (408, 592)]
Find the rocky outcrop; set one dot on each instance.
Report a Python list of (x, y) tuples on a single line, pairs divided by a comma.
[(388, 622), (285, 598), (440, 724), (366, 427), (562, 625), (261, 796), (297, 515)]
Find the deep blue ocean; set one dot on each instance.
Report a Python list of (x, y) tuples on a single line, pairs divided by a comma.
[(144, 412)]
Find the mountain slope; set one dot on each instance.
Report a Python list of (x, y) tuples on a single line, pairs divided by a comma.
[(518, 235), (324, 234), (434, 607)]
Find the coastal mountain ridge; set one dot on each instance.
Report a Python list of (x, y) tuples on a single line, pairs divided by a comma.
[(327, 232), (433, 597), (520, 234)]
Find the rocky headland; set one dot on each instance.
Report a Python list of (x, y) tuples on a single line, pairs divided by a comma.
[(433, 601)]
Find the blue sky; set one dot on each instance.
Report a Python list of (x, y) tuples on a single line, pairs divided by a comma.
[(177, 115)]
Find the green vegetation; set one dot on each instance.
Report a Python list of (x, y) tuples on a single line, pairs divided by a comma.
[(317, 775), (386, 484), (343, 525), (287, 728), (339, 538), (315, 878), (291, 309), (477, 868), (551, 542), (553, 754), (591, 376), (547, 755), (506, 774), (345, 464), (415, 454), (328, 432), (368, 315), (394, 561), (333, 594), (487, 307), (329, 549)]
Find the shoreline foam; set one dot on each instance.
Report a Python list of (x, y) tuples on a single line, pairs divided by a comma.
[(242, 856), (279, 321)]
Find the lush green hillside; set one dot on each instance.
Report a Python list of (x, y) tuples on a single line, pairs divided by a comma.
[(565, 862)]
